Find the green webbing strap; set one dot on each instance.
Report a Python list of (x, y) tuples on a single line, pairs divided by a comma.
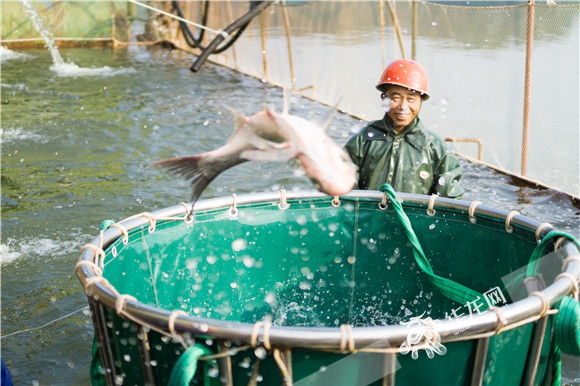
[(567, 320), (534, 263), (448, 288), (186, 366)]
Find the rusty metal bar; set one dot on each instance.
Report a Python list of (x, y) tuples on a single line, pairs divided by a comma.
[(469, 140)]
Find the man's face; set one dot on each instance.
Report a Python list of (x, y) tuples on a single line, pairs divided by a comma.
[(404, 107)]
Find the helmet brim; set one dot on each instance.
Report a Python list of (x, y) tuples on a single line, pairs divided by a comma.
[(382, 87)]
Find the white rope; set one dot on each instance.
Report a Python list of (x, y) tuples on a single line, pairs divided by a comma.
[(220, 32), (431, 209), (346, 337), (44, 325), (539, 230), (508, 219), (472, 207)]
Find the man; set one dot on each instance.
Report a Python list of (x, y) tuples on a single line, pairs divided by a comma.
[(397, 149)]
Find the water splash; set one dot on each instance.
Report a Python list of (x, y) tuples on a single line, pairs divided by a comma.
[(45, 33), (6, 54), (60, 67)]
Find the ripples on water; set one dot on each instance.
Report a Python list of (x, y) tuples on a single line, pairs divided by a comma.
[(76, 149)]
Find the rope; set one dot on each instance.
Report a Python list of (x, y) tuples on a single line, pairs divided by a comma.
[(431, 208), (97, 250), (220, 32), (286, 376), (44, 325), (572, 279), (545, 302), (96, 269), (501, 320), (570, 259), (508, 219), (472, 207), (448, 288), (540, 228), (266, 334), (123, 231), (346, 337)]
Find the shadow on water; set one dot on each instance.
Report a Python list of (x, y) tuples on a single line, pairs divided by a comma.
[(76, 150)]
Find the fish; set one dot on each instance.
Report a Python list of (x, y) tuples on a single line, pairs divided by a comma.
[(269, 136)]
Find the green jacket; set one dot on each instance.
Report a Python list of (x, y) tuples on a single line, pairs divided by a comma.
[(414, 161)]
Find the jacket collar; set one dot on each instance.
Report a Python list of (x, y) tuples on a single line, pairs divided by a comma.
[(413, 133)]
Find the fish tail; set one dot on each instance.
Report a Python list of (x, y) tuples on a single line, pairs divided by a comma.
[(189, 168)]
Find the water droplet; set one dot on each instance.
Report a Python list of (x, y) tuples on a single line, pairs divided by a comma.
[(432, 226), (260, 353), (305, 285), (213, 372), (239, 245), (248, 261)]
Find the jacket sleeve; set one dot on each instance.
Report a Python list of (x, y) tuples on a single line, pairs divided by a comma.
[(355, 149), (449, 172)]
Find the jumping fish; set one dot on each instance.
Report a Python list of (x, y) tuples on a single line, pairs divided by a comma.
[(268, 136)]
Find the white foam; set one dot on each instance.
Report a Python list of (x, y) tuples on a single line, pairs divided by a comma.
[(6, 54), (17, 133), (7, 255), (37, 248), (70, 69)]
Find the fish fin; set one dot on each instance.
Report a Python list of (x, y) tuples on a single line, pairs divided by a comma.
[(287, 92), (239, 121), (270, 112), (190, 169), (324, 122)]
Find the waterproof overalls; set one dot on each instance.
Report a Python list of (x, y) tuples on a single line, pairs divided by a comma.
[(414, 161)]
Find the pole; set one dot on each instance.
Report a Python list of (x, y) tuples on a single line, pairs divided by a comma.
[(527, 86)]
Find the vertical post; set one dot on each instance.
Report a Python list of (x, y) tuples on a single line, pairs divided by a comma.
[(382, 24), (289, 43), (527, 81), (263, 44), (230, 21), (393, 12), (414, 30)]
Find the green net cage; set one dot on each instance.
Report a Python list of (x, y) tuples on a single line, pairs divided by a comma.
[(299, 288)]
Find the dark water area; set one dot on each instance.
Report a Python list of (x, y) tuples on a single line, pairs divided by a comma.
[(76, 145)]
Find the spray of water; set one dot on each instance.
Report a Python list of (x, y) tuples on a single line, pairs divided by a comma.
[(59, 66), (45, 33)]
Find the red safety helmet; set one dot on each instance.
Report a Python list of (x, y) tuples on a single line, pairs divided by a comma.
[(406, 73)]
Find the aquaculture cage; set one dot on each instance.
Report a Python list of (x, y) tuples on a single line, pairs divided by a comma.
[(370, 288)]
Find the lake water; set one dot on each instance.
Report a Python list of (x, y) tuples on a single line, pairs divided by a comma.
[(76, 145)]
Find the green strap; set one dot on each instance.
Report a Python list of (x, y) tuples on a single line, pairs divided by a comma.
[(186, 366), (448, 288), (541, 248)]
